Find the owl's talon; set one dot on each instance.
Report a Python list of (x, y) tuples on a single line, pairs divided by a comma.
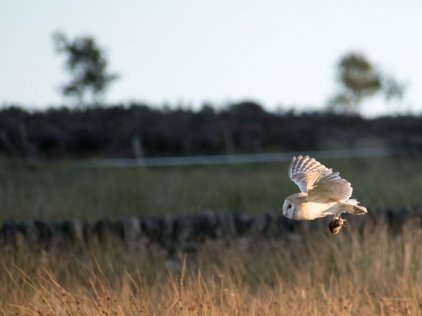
[(336, 225)]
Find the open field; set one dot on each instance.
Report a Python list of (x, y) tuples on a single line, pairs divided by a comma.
[(316, 274), (310, 273), (68, 190)]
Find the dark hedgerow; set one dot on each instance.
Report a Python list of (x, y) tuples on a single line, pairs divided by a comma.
[(244, 127)]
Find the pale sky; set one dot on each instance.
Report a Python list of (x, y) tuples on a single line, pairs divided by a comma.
[(279, 53)]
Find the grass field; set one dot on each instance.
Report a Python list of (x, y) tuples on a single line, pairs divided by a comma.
[(317, 274), (64, 190), (373, 273)]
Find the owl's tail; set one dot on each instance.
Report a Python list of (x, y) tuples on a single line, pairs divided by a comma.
[(352, 207)]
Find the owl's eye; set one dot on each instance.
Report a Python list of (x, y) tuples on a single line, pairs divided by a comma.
[(289, 206)]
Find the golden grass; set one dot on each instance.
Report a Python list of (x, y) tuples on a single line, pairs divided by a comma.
[(373, 273)]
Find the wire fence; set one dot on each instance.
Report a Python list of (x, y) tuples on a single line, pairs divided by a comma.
[(243, 158)]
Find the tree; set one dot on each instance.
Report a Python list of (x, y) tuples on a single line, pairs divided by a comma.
[(87, 65), (359, 79)]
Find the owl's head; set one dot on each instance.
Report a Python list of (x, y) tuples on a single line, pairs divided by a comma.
[(289, 208)]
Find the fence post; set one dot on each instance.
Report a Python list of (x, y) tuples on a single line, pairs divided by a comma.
[(138, 150), (228, 141)]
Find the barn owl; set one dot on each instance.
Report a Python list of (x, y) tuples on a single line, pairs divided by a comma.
[(323, 193)]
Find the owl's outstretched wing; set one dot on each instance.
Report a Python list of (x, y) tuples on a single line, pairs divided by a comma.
[(330, 187), (321, 183), (305, 171)]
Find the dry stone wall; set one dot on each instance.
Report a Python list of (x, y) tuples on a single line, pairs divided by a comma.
[(183, 233)]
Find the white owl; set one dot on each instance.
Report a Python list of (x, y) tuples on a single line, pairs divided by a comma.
[(323, 193)]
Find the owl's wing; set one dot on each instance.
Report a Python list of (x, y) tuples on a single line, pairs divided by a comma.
[(305, 171), (330, 186)]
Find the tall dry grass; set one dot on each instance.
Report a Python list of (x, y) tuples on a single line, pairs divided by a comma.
[(368, 273)]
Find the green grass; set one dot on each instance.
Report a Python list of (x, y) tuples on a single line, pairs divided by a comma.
[(66, 189)]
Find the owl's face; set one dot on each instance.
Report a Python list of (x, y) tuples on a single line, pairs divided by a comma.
[(289, 208)]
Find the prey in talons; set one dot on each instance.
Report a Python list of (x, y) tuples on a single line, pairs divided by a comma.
[(336, 225)]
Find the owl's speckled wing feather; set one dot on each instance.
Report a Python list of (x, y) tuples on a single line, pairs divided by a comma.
[(305, 171), (321, 183), (330, 187)]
